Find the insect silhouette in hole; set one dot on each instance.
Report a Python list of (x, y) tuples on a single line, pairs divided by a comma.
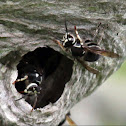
[(28, 83), (86, 50)]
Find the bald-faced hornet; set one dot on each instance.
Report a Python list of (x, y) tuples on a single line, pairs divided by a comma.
[(28, 83), (37, 78), (87, 49)]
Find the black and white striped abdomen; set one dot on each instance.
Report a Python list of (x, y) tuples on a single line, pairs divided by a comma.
[(89, 56)]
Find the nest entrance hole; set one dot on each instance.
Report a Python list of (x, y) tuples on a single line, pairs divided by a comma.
[(57, 70)]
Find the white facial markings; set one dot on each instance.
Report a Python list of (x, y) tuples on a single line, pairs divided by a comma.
[(68, 38)]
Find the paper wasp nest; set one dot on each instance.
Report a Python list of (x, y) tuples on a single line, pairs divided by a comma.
[(27, 26)]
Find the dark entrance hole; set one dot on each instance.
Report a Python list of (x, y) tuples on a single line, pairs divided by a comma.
[(56, 71)]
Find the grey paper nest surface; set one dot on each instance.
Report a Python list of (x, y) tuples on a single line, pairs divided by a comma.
[(27, 25)]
